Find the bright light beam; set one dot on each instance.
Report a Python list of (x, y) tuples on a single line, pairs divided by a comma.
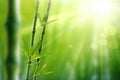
[(102, 8)]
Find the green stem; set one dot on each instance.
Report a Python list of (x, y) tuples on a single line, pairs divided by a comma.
[(44, 25), (33, 35), (42, 37), (28, 69), (12, 33), (35, 21), (35, 77)]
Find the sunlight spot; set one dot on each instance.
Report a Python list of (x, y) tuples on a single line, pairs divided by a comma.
[(101, 7), (102, 35), (113, 44), (101, 10), (94, 45), (102, 42), (110, 30)]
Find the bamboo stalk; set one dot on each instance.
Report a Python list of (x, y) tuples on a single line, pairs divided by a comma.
[(45, 19), (12, 34), (28, 69), (35, 21), (44, 25), (35, 77), (32, 41), (38, 62)]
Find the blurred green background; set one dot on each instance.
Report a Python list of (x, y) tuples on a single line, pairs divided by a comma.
[(82, 44)]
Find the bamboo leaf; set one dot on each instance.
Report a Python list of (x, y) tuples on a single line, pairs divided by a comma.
[(44, 66), (47, 73), (43, 23), (26, 47), (36, 48)]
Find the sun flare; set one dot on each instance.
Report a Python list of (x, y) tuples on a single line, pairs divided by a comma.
[(101, 9)]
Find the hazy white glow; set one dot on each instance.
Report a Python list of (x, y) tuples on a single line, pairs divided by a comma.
[(101, 7)]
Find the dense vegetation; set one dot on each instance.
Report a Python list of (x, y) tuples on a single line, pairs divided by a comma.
[(78, 44)]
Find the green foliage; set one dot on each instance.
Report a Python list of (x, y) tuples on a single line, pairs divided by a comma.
[(76, 45)]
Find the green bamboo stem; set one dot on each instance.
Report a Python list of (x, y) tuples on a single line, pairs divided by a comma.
[(44, 25), (35, 21), (35, 77), (28, 69), (45, 19), (12, 33), (37, 69), (32, 41)]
